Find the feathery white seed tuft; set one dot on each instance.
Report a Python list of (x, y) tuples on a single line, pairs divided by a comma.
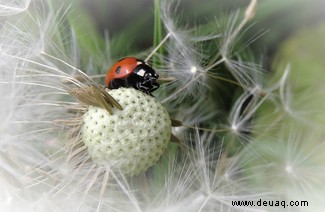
[(131, 140)]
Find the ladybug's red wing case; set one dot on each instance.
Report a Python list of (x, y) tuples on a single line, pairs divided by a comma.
[(121, 69)]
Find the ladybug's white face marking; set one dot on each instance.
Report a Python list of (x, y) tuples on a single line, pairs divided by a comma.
[(139, 63), (141, 72)]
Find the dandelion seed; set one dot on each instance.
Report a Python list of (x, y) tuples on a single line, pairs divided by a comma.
[(250, 10), (8, 8), (185, 59)]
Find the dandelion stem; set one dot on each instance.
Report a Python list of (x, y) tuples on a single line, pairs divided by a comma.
[(157, 47), (166, 79), (210, 66), (97, 76), (224, 79), (206, 129)]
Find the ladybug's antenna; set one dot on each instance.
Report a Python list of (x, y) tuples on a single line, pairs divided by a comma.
[(157, 47)]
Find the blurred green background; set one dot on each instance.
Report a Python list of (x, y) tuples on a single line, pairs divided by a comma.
[(277, 20)]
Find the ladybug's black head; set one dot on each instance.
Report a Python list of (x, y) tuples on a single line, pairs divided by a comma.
[(150, 75), (147, 78)]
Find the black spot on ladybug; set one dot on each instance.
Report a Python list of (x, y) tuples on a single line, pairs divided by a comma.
[(118, 69)]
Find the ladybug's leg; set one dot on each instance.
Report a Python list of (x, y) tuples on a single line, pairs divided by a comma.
[(155, 87), (140, 86), (148, 86)]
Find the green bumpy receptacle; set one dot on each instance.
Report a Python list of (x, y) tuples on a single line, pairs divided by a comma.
[(131, 140)]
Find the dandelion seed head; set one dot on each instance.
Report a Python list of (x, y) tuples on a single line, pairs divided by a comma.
[(130, 140)]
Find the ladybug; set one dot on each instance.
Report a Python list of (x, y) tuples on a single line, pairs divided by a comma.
[(132, 72)]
